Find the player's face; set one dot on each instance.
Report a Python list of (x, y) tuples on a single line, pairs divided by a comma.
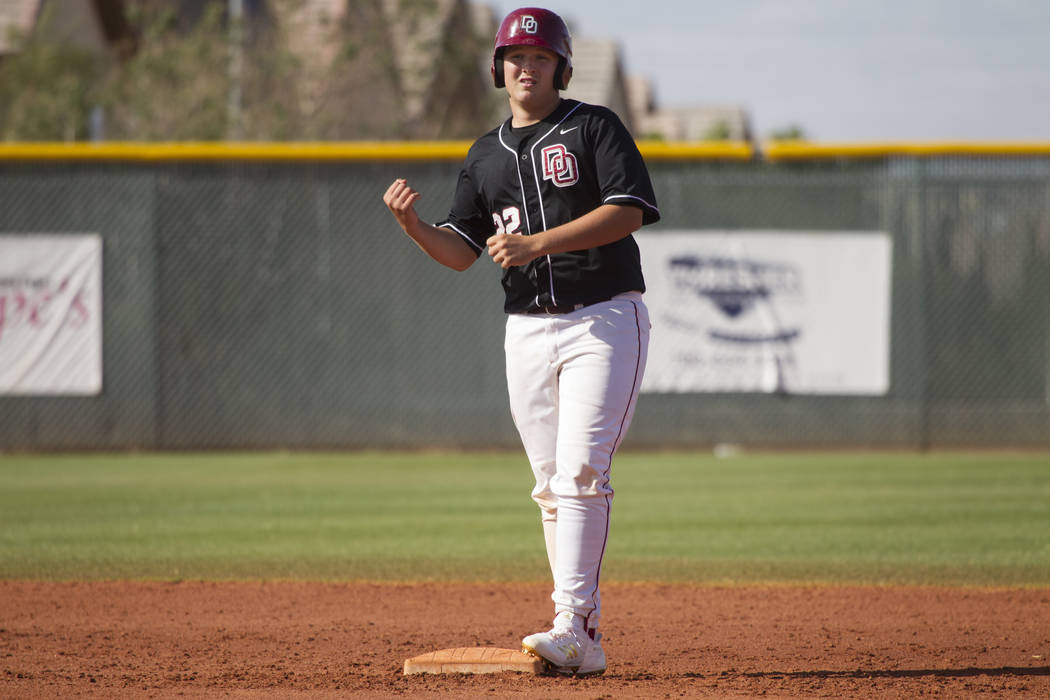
[(528, 72)]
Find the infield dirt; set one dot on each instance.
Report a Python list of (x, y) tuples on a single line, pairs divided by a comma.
[(294, 639)]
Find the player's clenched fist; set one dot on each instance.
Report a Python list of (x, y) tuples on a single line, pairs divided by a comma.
[(400, 198), (510, 250)]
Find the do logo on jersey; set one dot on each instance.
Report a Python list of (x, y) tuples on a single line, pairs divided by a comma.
[(559, 166), (529, 25)]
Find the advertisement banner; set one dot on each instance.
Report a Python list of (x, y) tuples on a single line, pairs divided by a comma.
[(50, 314), (768, 311)]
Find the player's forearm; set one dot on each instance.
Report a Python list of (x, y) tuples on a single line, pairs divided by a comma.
[(606, 224), (442, 244)]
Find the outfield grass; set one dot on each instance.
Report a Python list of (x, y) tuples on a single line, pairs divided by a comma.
[(955, 519)]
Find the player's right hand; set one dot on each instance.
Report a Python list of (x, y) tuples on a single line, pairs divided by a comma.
[(400, 198)]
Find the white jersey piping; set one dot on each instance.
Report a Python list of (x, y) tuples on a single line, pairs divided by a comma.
[(631, 196), (539, 193), (465, 236), (521, 183)]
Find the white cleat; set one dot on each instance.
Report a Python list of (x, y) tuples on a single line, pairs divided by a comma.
[(593, 663), (567, 648)]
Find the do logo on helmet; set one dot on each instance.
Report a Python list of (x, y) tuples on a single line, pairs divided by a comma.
[(529, 25)]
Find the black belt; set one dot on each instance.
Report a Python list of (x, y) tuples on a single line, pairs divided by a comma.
[(562, 308)]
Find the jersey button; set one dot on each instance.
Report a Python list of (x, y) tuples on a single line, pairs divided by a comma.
[(524, 156)]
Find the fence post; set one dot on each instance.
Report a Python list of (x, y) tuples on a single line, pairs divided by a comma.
[(924, 288)]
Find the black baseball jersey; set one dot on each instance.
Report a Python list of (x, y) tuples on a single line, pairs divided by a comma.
[(530, 179)]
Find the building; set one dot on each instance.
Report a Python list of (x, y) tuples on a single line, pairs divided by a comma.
[(696, 123), (91, 25), (439, 90), (598, 77)]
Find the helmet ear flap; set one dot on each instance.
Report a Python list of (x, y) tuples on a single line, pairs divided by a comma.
[(560, 77), (497, 72)]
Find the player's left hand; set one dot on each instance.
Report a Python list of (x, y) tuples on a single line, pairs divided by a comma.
[(512, 250)]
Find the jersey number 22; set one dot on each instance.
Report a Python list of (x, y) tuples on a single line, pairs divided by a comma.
[(509, 221)]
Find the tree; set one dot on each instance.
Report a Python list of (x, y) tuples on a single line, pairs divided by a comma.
[(202, 75), (47, 91), (348, 86), (175, 85), (719, 131), (792, 132)]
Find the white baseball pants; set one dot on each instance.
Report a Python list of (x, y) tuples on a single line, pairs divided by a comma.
[(573, 382)]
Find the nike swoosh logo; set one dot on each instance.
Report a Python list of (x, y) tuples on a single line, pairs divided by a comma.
[(565, 131)]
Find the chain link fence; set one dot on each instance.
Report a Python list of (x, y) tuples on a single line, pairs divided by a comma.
[(277, 304)]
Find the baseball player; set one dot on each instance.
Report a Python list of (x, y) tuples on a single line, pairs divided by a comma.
[(552, 196)]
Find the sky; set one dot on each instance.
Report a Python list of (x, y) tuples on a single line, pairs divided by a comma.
[(842, 70)]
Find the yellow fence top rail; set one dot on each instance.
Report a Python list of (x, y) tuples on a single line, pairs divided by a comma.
[(457, 150), (696, 150), (803, 150), (223, 151), (323, 151)]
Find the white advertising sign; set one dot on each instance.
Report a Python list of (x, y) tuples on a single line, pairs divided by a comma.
[(768, 311), (50, 314)]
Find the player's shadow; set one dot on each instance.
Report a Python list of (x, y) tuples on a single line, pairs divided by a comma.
[(1018, 671)]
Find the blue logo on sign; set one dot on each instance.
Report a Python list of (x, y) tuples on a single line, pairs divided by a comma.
[(736, 286)]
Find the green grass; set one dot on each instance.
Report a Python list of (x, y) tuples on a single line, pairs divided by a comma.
[(946, 519)]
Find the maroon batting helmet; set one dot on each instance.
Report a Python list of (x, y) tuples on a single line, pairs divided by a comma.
[(534, 26)]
